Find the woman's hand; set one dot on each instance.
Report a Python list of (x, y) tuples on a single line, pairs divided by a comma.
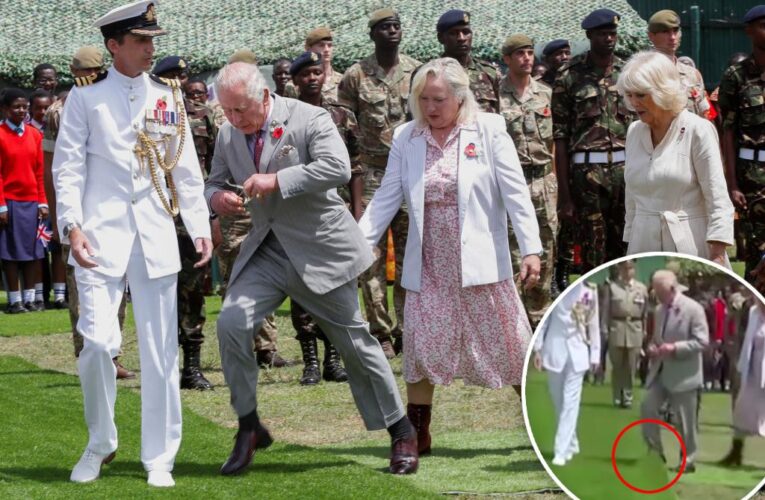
[(4, 219), (530, 269), (717, 252)]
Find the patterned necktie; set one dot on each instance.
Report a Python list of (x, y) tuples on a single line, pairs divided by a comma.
[(258, 149)]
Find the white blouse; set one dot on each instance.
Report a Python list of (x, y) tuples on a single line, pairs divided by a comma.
[(676, 197)]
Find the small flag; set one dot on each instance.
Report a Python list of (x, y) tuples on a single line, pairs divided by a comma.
[(44, 234)]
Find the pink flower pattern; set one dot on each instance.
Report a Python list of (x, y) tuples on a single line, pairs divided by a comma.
[(479, 333)]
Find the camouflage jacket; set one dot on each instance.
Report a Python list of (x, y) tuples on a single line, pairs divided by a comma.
[(742, 102), (587, 110), (346, 124), (204, 132), (52, 121), (694, 82), (529, 121), (379, 101), (484, 82)]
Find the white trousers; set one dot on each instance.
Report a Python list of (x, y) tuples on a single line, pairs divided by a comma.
[(566, 392), (156, 319)]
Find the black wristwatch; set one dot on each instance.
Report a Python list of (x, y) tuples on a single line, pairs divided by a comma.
[(70, 227)]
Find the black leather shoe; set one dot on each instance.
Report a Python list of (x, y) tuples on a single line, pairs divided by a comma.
[(16, 308), (245, 444), (31, 307), (61, 304)]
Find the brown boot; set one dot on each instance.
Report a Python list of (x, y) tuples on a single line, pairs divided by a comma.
[(734, 456), (122, 372), (419, 415)]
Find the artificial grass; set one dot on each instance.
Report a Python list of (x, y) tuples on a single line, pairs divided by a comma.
[(590, 475)]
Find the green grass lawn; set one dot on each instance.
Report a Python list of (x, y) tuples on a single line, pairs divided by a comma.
[(590, 474)]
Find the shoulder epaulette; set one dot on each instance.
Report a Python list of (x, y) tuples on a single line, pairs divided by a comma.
[(173, 83), (84, 81)]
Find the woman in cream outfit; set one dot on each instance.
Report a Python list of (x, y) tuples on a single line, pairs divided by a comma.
[(676, 197)]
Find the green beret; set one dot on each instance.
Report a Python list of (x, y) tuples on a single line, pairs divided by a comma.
[(664, 20), (317, 35), (243, 55), (515, 42), (88, 58), (380, 15)]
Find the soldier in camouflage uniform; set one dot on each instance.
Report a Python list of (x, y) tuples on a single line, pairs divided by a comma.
[(555, 54), (376, 90), (191, 280), (590, 123), (525, 105), (86, 61), (320, 40), (623, 315), (665, 34), (742, 105)]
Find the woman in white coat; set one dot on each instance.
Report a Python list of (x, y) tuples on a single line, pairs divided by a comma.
[(459, 174), (676, 197), (749, 410)]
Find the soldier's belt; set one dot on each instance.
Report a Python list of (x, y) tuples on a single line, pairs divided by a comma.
[(752, 154), (583, 157), (375, 161), (536, 171)]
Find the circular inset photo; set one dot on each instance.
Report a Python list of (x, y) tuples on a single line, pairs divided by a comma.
[(646, 376)]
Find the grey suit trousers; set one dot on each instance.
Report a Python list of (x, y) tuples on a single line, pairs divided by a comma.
[(684, 406), (261, 287)]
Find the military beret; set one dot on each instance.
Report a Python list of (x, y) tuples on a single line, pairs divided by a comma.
[(515, 42), (317, 35), (88, 57), (754, 13), (168, 64), (307, 58), (601, 18), (663, 20), (243, 55), (139, 18), (380, 15), (452, 18), (555, 46)]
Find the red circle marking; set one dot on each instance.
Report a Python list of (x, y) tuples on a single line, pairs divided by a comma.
[(648, 421)]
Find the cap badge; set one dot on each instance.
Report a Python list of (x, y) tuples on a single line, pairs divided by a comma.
[(151, 15)]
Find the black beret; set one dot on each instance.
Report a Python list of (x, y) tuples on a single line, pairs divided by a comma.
[(754, 13), (601, 18), (169, 63), (452, 18), (555, 46), (307, 58)]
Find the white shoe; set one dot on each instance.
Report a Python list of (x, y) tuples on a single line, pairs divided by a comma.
[(160, 479), (560, 462), (89, 466)]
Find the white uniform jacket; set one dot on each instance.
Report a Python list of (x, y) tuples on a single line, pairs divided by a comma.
[(99, 182), (491, 186), (567, 330)]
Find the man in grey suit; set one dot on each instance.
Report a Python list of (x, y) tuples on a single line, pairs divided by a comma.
[(289, 158), (675, 374)]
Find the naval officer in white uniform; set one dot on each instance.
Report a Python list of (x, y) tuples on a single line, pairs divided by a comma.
[(567, 345), (123, 167)]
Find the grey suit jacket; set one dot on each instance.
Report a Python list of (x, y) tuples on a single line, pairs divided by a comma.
[(687, 328), (308, 217)]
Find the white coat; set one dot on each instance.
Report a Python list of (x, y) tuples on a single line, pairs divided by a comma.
[(676, 197), (99, 183), (491, 186), (562, 338), (745, 359)]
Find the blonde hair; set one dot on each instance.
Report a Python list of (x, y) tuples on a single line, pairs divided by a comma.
[(654, 74), (456, 77)]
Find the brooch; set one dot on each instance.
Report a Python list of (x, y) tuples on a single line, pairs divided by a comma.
[(471, 151)]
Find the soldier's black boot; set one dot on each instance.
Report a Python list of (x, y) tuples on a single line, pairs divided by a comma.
[(333, 368), (561, 274), (191, 376), (311, 373), (733, 458), (554, 290)]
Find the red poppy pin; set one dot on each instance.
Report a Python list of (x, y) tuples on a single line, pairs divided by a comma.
[(277, 131), (161, 104), (694, 93), (546, 111), (471, 151)]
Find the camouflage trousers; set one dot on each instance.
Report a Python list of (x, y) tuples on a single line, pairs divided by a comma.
[(544, 195), (191, 297), (374, 282), (234, 230), (750, 176), (74, 304), (597, 190)]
